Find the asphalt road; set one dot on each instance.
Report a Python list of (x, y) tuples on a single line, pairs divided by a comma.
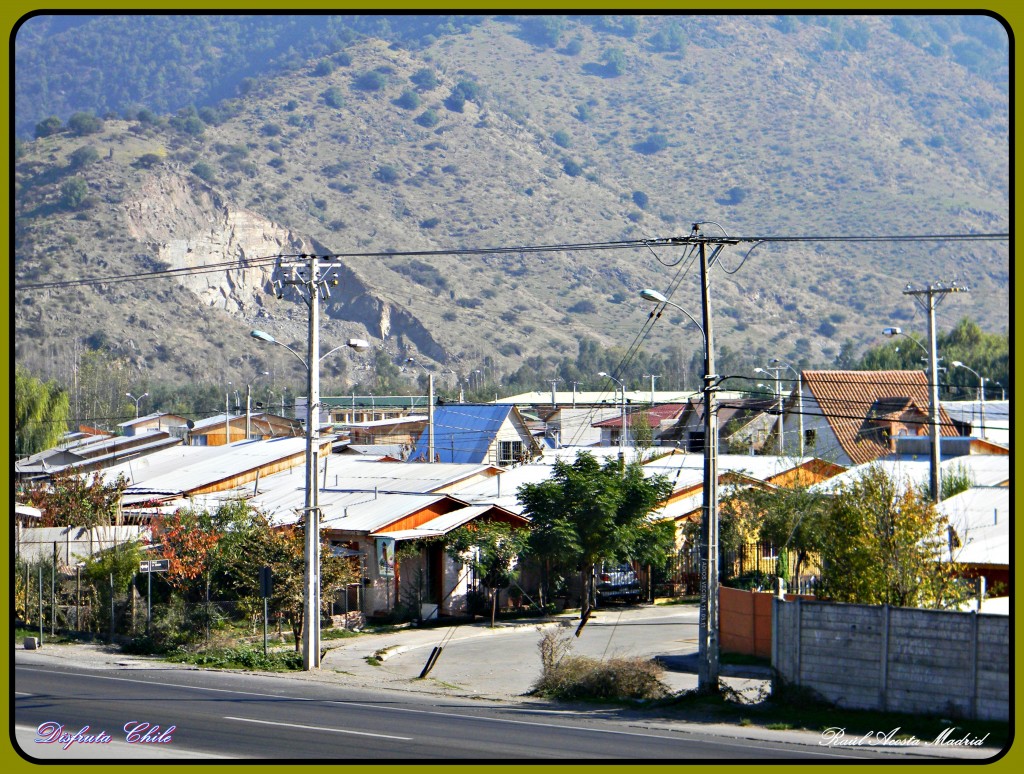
[(224, 715), (368, 702)]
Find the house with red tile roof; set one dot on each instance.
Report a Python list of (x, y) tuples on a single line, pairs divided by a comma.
[(854, 417)]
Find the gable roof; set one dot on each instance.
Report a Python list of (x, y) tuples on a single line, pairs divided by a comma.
[(655, 415), (848, 399), (463, 432)]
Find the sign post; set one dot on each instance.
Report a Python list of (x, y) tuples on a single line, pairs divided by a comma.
[(266, 591), (149, 567)]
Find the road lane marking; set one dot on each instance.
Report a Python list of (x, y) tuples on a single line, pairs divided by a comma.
[(319, 728), (449, 715)]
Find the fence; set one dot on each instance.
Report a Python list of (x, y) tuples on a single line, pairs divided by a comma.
[(895, 659), (745, 621)]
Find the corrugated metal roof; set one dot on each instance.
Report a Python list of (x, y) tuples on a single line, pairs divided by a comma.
[(981, 517), (463, 432), (983, 470), (211, 464), (442, 525), (213, 421)]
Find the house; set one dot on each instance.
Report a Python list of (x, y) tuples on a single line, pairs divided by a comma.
[(348, 409), (659, 419), (988, 420), (397, 431), (742, 423), (853, 417), (89, 453), (228, 428), (366, 504), (173, 423), (979, 535), (495, 434)]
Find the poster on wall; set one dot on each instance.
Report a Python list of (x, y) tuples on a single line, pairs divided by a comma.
[(386, 557)]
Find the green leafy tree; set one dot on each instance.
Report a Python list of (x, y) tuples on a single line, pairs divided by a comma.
[(586, 513), (83, 157), (614, 62), (492, 551), (41, 411), (424, 79), (74, 193), (48, 127), (883, 543), (72, 500), (83, 123)]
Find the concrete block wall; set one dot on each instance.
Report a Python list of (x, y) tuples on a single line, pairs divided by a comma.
[(895, 659)]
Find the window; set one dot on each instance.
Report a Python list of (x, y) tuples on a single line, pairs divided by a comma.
[(810, 436), (510, 452), (695, 441)]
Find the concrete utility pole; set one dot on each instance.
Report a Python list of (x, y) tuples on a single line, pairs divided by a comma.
[(707, 632), (313, 276), (652, 377), (928, 298)]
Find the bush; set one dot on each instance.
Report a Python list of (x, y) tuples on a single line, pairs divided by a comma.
[(48, 126), (73, 193), (323, 67), (83, 157), (204, 171), (424, 79), (84, 123), (562, 139), (371, 81), (568, 677), (409, 100), (333, 97), (428, 119), (387, 173)]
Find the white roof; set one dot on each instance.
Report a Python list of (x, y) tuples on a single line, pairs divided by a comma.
[(983, 469), (981, 517), (182, 469), (213, 421), (27, 511), (411, 418)]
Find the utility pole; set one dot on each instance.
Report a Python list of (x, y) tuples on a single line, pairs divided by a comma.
[(707, 629), (554, 397), (313, 279), (652, 378), (928, 298)]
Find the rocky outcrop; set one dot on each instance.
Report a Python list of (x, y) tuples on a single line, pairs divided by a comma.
[(189, 225)]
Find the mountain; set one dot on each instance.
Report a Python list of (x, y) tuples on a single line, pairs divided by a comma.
[(436, 133)]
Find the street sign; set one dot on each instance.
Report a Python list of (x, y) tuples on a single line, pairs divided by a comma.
[(154, 565)]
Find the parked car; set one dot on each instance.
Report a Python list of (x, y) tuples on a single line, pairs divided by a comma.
[(618, 583)]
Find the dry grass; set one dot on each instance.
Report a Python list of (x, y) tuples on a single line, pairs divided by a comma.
[(566, 676)]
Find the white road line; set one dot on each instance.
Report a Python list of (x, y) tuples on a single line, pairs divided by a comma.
[(318, 728)]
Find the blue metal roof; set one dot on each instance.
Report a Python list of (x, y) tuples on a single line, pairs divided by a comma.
[(463, 432)]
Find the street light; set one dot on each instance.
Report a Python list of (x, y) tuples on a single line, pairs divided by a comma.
[(311, 585), (248, 402), (707, 632), (778, 400), (981, 393), (622, 414), (933, 399), (799, 399), (137, 401)]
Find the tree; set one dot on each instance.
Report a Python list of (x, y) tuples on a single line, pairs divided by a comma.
[(84, 123), (788, 518), (883, 543), (587, 513), (74, 193), (491, 550), (614, 62), (41, 412), (48, 127), (72, 500), (83, 157)]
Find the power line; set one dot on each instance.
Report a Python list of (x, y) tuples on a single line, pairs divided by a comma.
[(244, 263)]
